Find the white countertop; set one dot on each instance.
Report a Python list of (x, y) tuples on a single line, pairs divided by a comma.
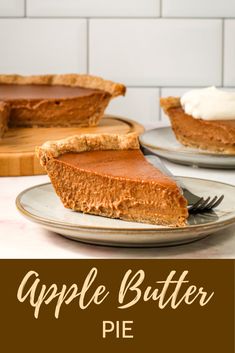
[(19, 238)]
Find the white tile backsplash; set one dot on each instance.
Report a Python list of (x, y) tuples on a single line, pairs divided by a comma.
[(157, 52), (93, 8), (198, 8), (229, 53), (43, 46), (150, 45), (139, 104), (12, 8)]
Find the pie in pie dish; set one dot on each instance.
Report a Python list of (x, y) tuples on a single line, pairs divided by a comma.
[(56, 100), (107, 175), (213, 135)]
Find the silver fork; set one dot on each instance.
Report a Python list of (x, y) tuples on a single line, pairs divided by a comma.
[(195, 203)]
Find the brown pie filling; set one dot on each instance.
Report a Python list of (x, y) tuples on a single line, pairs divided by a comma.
[(117, 184), (52, 105), (212, 135), (11, 93)]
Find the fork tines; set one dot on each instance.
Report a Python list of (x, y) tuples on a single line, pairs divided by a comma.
[(206, 204)]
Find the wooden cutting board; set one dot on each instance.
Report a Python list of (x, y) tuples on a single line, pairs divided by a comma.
[(17, 156)]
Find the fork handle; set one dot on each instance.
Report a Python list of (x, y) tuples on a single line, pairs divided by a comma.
[(156, 162)]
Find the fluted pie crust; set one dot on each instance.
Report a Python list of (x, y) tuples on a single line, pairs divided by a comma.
[(213, 135), (107, 175), (69, 110)]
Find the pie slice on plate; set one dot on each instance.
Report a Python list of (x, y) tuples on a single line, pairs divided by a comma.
[(212, 135), (57, 100), (108, 175)]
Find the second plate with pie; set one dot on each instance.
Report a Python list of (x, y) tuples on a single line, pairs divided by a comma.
[(162, 142)]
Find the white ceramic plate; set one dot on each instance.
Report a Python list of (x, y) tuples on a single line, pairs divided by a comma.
[(162, 141), (40, 204)]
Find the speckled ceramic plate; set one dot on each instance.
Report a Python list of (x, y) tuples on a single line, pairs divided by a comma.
[(163, 143), (40, 204)]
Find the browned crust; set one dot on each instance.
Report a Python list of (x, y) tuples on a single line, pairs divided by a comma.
[(86, 142), (4, 106), (72, 80), (170, 102)]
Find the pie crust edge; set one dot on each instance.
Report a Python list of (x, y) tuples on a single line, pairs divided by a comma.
[(86, 142), (72, 80), (170, 102)]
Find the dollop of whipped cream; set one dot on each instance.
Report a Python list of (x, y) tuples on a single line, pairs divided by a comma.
[(209, 104)]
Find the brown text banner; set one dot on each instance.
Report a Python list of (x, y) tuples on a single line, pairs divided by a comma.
[(117, 305)]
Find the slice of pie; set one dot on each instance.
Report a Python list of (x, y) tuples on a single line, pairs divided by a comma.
[(211, 135), (4, 117), (57, 100), (108, 175)]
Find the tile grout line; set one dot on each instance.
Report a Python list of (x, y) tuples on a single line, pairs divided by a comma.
[(122, 17), (25, 8), (160, 9), (222, 52), (169, 86), (88, 46), (159, 107)]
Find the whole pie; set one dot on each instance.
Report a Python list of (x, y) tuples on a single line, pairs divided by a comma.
[(55, 100), (107, 175), (212, 135)]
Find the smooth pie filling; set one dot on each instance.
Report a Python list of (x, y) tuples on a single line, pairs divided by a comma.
[(52, 105), (117, 184), (57, 100), (11, 93)]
